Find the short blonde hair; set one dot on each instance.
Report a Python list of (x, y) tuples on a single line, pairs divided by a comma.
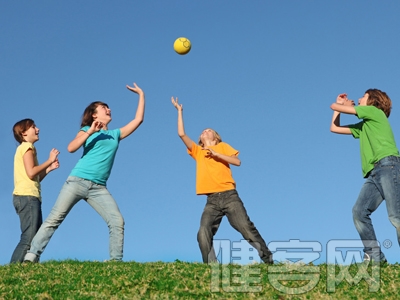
[(216, 136)]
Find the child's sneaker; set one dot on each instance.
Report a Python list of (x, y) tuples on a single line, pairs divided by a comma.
[(368, 258), (31, 258)]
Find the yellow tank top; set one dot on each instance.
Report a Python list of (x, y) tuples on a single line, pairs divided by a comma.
[(23, 185)]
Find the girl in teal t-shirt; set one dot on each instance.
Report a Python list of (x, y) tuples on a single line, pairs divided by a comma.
[(380, 163), (88, 179)]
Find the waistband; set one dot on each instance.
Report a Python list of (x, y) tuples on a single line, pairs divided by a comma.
[(221, 193), (386, 159)]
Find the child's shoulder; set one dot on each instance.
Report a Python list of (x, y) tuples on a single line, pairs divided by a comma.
[(223, 144), (370, 111), (226, 147), (24, 146)]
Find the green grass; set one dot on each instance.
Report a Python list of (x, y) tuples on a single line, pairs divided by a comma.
[(180, 280)]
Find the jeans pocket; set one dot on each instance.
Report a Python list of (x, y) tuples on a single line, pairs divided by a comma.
[(17, 204)]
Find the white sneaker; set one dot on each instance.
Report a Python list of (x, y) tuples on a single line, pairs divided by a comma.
[(31, 257), (366, 257)]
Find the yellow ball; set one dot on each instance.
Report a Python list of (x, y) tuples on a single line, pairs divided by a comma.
[(182, 46)]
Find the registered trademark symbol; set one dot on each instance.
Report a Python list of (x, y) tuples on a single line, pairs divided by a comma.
[(387, 244)]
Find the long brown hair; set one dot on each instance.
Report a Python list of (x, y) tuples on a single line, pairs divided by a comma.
[(380, 100), (87, 117), (20, 127)]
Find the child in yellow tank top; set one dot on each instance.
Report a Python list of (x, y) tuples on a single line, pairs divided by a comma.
[(27, 177)]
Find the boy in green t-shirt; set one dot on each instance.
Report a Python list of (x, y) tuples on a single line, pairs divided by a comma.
[(380, 163)]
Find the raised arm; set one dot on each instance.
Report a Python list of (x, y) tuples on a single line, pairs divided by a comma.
[(29, 163), (181, 128), (139, 117), (342, 105)]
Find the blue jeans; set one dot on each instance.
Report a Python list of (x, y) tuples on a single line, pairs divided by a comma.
[(228, 203), (99, 198), (382, 183), (29, 210)]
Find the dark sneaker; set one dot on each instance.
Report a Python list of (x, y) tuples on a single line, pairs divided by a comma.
[(268, 259)]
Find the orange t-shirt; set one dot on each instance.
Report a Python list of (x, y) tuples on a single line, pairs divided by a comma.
[(212, 175)]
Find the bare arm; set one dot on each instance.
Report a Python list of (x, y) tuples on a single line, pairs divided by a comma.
[(139, 117), (181, 128), (233, 159), (29, 163), (53, 166), (82, 136), (342, 105)]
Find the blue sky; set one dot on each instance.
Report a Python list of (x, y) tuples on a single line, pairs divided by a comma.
[(262, 73)]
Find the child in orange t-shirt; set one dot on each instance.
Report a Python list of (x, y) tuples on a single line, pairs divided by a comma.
[(214, 179)]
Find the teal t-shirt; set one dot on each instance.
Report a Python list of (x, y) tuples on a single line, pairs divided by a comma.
[(376, 136), (98, 156)]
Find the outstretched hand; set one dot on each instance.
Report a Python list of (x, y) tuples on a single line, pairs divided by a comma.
[(178, 106), (135, 89)]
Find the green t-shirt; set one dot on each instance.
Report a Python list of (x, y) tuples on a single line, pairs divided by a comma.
[(376, 136)]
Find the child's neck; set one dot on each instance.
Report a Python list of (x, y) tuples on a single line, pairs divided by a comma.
[(209, 143), (28, 141)]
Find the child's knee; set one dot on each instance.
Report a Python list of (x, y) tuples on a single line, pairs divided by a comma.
[(203, 234), (116, 222), (358, 213)]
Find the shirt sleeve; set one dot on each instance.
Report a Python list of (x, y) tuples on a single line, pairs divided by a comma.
[(25, 147), (366, 112), (84, 128), (229, 150), (194, 151), (356, 129)]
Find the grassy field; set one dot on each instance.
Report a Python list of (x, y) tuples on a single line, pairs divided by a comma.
[(180, 280)]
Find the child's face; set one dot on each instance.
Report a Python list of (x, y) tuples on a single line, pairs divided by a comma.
[(32, 134), (363, 100), (207, 134), (103, 114)]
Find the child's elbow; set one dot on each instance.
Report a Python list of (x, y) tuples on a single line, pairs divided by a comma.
[(334, 128), (334, 106), (71, 149), (31, 176)]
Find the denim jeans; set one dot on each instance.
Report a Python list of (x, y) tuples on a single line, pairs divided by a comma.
[(29, 210), (382, 183), (228, 203), (98, 197)]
